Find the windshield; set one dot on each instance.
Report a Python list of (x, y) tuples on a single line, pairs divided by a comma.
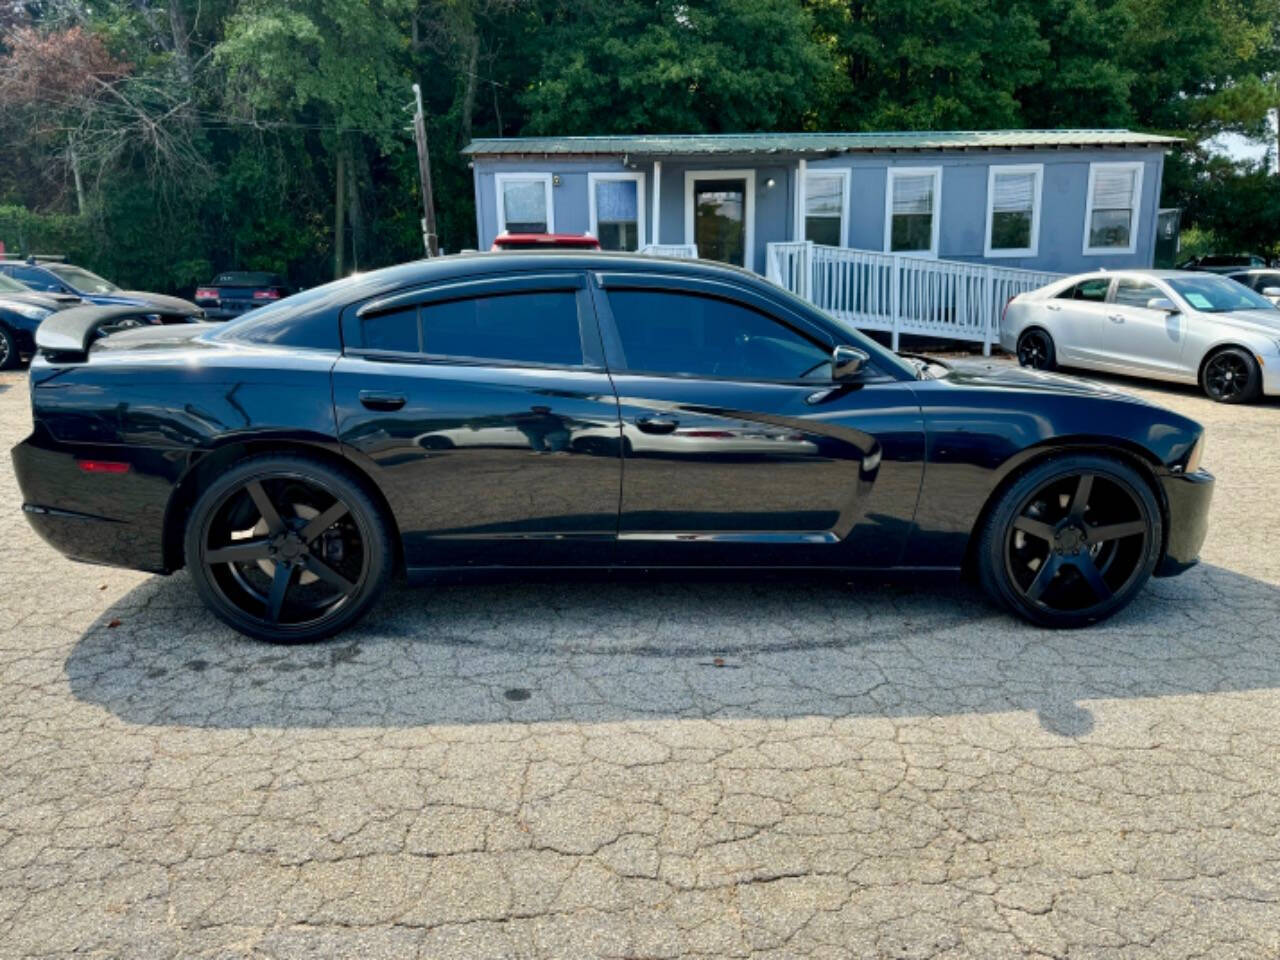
[(10, 285), (80, 279), (1218, 295)]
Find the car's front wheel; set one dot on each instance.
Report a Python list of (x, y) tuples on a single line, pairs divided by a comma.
[(1035, 350), (287, 549), (1231, 376), (9, 357), (1071, 541)]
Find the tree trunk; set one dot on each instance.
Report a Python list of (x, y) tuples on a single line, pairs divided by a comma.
[(355, 212), (75, 173), (469, 96), (339, 210)]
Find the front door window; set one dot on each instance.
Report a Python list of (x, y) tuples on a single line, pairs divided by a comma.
[(719, 220)]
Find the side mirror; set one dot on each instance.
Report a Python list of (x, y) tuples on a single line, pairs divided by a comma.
[(1162, 303), (847, 362), (1271, 291)]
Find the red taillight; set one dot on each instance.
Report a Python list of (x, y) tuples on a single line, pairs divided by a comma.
[(103, 466), (207, 293), (266, 294)]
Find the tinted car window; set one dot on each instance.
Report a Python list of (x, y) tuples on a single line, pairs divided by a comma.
[(534, 327), (37, 279), (1135, 293), (395, 330), (678, 333), (1094, 290)]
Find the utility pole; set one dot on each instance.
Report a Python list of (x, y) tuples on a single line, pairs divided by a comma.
[(429, 239)]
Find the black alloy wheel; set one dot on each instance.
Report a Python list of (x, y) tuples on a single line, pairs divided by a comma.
[(1231, 376), (8, 350), (287, 549), (1072, 541), (1035, 350)]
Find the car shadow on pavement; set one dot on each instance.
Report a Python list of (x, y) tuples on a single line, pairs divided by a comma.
[(590, 650)]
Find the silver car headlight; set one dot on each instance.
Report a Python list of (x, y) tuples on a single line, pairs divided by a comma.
[(29, 310)]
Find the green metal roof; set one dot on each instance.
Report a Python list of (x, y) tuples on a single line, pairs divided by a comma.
[(659, 145)]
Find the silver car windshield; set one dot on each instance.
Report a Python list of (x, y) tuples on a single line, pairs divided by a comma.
[(1218, 295)]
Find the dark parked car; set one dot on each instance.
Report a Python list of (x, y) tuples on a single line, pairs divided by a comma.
[(238, 291), (1265, 281), (48, 276), (1224, 262), (526, 410), (21, 311)]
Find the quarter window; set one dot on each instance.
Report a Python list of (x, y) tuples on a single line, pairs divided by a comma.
[(524, 203), (699, 336), (536, 327), (395, 330), (1115, 190), (911, 213), (1135, 293), (824, 205), (1013, 210), (617, 209)]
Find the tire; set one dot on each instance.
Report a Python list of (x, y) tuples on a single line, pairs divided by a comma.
[(1035, 350), (265, 561), (9, 358), (1060, 551), (1231, 376)]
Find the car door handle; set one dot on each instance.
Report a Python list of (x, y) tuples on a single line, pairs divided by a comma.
[(657, 424), (1052, 306), (1116, 318), (381, 401)]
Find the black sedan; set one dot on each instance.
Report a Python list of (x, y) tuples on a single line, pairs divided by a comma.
[(21, 312), (583, 410)]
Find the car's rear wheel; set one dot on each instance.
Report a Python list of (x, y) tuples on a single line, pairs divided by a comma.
[(1231, 376), (1035, 350), (1071, 541), (287, 549), (9, 357)]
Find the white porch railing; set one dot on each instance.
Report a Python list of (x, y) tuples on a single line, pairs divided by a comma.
[(685, 251), (901, 294)]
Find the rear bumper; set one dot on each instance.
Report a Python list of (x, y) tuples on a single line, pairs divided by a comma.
[(1188, 496), (112, 519)]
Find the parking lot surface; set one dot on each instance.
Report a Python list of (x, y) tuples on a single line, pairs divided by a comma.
[(582, 767)]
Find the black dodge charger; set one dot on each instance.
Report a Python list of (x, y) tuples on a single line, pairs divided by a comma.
[(583, 410)]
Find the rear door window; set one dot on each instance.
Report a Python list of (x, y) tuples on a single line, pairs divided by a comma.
[(1093, 290)]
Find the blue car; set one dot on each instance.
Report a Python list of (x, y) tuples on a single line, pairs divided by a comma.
[(45, 276), (21, 312)]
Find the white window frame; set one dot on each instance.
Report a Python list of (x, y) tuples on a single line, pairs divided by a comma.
[(996, 170), (594, 178), (846, 175), (748, 213), (500, 179), (893, 173), (1134, 219)]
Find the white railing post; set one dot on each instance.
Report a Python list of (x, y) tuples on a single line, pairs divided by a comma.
[(806, 271), (990, 312), (895, 301)]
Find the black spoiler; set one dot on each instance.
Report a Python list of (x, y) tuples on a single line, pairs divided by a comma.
[(67, 335)]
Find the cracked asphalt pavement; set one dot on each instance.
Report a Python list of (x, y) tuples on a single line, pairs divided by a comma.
[(586, 767)]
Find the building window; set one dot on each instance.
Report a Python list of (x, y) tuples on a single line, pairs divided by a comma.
[(524, 203), (617, 209), (1013, 210), (825, 199), (1115, 195), (912, 200)]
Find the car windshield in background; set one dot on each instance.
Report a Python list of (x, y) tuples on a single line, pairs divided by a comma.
[(10, 285), (1216, 295), (241, 278), (80, 279)]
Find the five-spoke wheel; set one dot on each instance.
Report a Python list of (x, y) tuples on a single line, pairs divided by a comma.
[(1035, 350), (1072, 540), (1231, 376), (287, 549)]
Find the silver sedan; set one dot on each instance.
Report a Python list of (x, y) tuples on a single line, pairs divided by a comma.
[(1172, 325)]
